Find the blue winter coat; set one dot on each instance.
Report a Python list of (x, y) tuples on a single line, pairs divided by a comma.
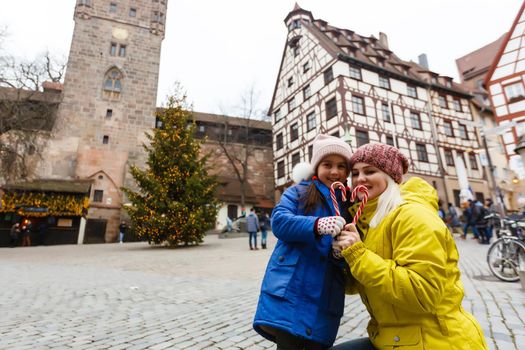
[(302, 291)]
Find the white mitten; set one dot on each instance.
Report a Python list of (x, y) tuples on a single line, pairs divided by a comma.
[(330, 225)]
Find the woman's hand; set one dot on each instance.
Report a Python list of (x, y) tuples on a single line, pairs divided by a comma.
[(348, 237)]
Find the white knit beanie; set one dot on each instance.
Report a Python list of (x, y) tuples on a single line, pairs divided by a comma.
[(323, 146)]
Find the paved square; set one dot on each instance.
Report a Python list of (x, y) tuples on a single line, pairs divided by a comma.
[(132, 296)]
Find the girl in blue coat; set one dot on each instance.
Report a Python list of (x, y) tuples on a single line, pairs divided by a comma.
[(302, 293)]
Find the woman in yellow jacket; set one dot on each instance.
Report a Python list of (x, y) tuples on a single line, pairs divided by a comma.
[(403, 261)]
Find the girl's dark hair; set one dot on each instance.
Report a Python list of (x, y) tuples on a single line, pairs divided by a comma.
[(310, 198)]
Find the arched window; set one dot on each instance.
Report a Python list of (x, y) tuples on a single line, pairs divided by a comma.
[(113, 83)]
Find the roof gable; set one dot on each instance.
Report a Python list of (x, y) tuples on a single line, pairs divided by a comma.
[(508, 59)]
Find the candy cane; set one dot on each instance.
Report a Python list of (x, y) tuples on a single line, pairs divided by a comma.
[(334, 198), (353, 196)]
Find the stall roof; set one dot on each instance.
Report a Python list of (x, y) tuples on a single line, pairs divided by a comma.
[(51, 185)]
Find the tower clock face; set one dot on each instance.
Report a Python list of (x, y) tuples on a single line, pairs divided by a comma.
[(120, 34)]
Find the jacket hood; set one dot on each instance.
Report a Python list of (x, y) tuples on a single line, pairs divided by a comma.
[(417, 190)]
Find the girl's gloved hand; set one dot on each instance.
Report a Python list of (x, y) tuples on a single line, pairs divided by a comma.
[(330, 225)]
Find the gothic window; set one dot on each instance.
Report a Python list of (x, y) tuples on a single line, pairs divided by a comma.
[(112, 7), (113, 83)]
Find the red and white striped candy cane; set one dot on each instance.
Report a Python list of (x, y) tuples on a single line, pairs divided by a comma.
[(364, 191), (334, 198)]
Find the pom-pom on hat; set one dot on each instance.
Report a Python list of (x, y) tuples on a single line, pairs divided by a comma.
[(384, 157), (323, 145)]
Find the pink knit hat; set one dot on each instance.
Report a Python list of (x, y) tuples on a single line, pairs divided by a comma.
[(324, 145), (384, 157)]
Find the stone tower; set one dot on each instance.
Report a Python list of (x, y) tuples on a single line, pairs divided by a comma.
[(109, 100)]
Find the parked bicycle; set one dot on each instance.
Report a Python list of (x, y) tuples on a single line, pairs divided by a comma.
[(506, 255)]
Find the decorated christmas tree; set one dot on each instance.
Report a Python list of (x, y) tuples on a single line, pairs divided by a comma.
[(175, 203)]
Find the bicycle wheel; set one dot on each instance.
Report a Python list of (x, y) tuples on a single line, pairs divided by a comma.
[(504, 257)]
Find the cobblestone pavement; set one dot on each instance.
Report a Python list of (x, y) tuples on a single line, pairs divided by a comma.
[(132, 296)]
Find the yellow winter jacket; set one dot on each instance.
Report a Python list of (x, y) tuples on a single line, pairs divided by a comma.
[(406, 272)]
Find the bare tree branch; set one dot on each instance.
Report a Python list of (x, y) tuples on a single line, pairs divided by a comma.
[(26, 112), (240, 137)]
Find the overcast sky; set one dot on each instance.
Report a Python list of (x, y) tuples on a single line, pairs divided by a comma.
[(217, 50)]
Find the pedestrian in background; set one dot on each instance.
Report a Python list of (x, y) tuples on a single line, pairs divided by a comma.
[(453, 217), (470, 219), (491, 210), (122, 231), (26, 229), (264, 220), (441, 211), (252, 225), (302, 293), (404, 261), (482, 222), (14, 235)]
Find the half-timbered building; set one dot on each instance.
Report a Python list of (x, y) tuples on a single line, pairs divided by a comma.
[(505, 83), (335, 81), (473, 68)]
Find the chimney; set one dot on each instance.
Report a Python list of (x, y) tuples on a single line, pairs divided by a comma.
[(423, 60), (383, 40)]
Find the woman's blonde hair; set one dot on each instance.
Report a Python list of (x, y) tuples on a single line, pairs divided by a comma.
[(389, 200)]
